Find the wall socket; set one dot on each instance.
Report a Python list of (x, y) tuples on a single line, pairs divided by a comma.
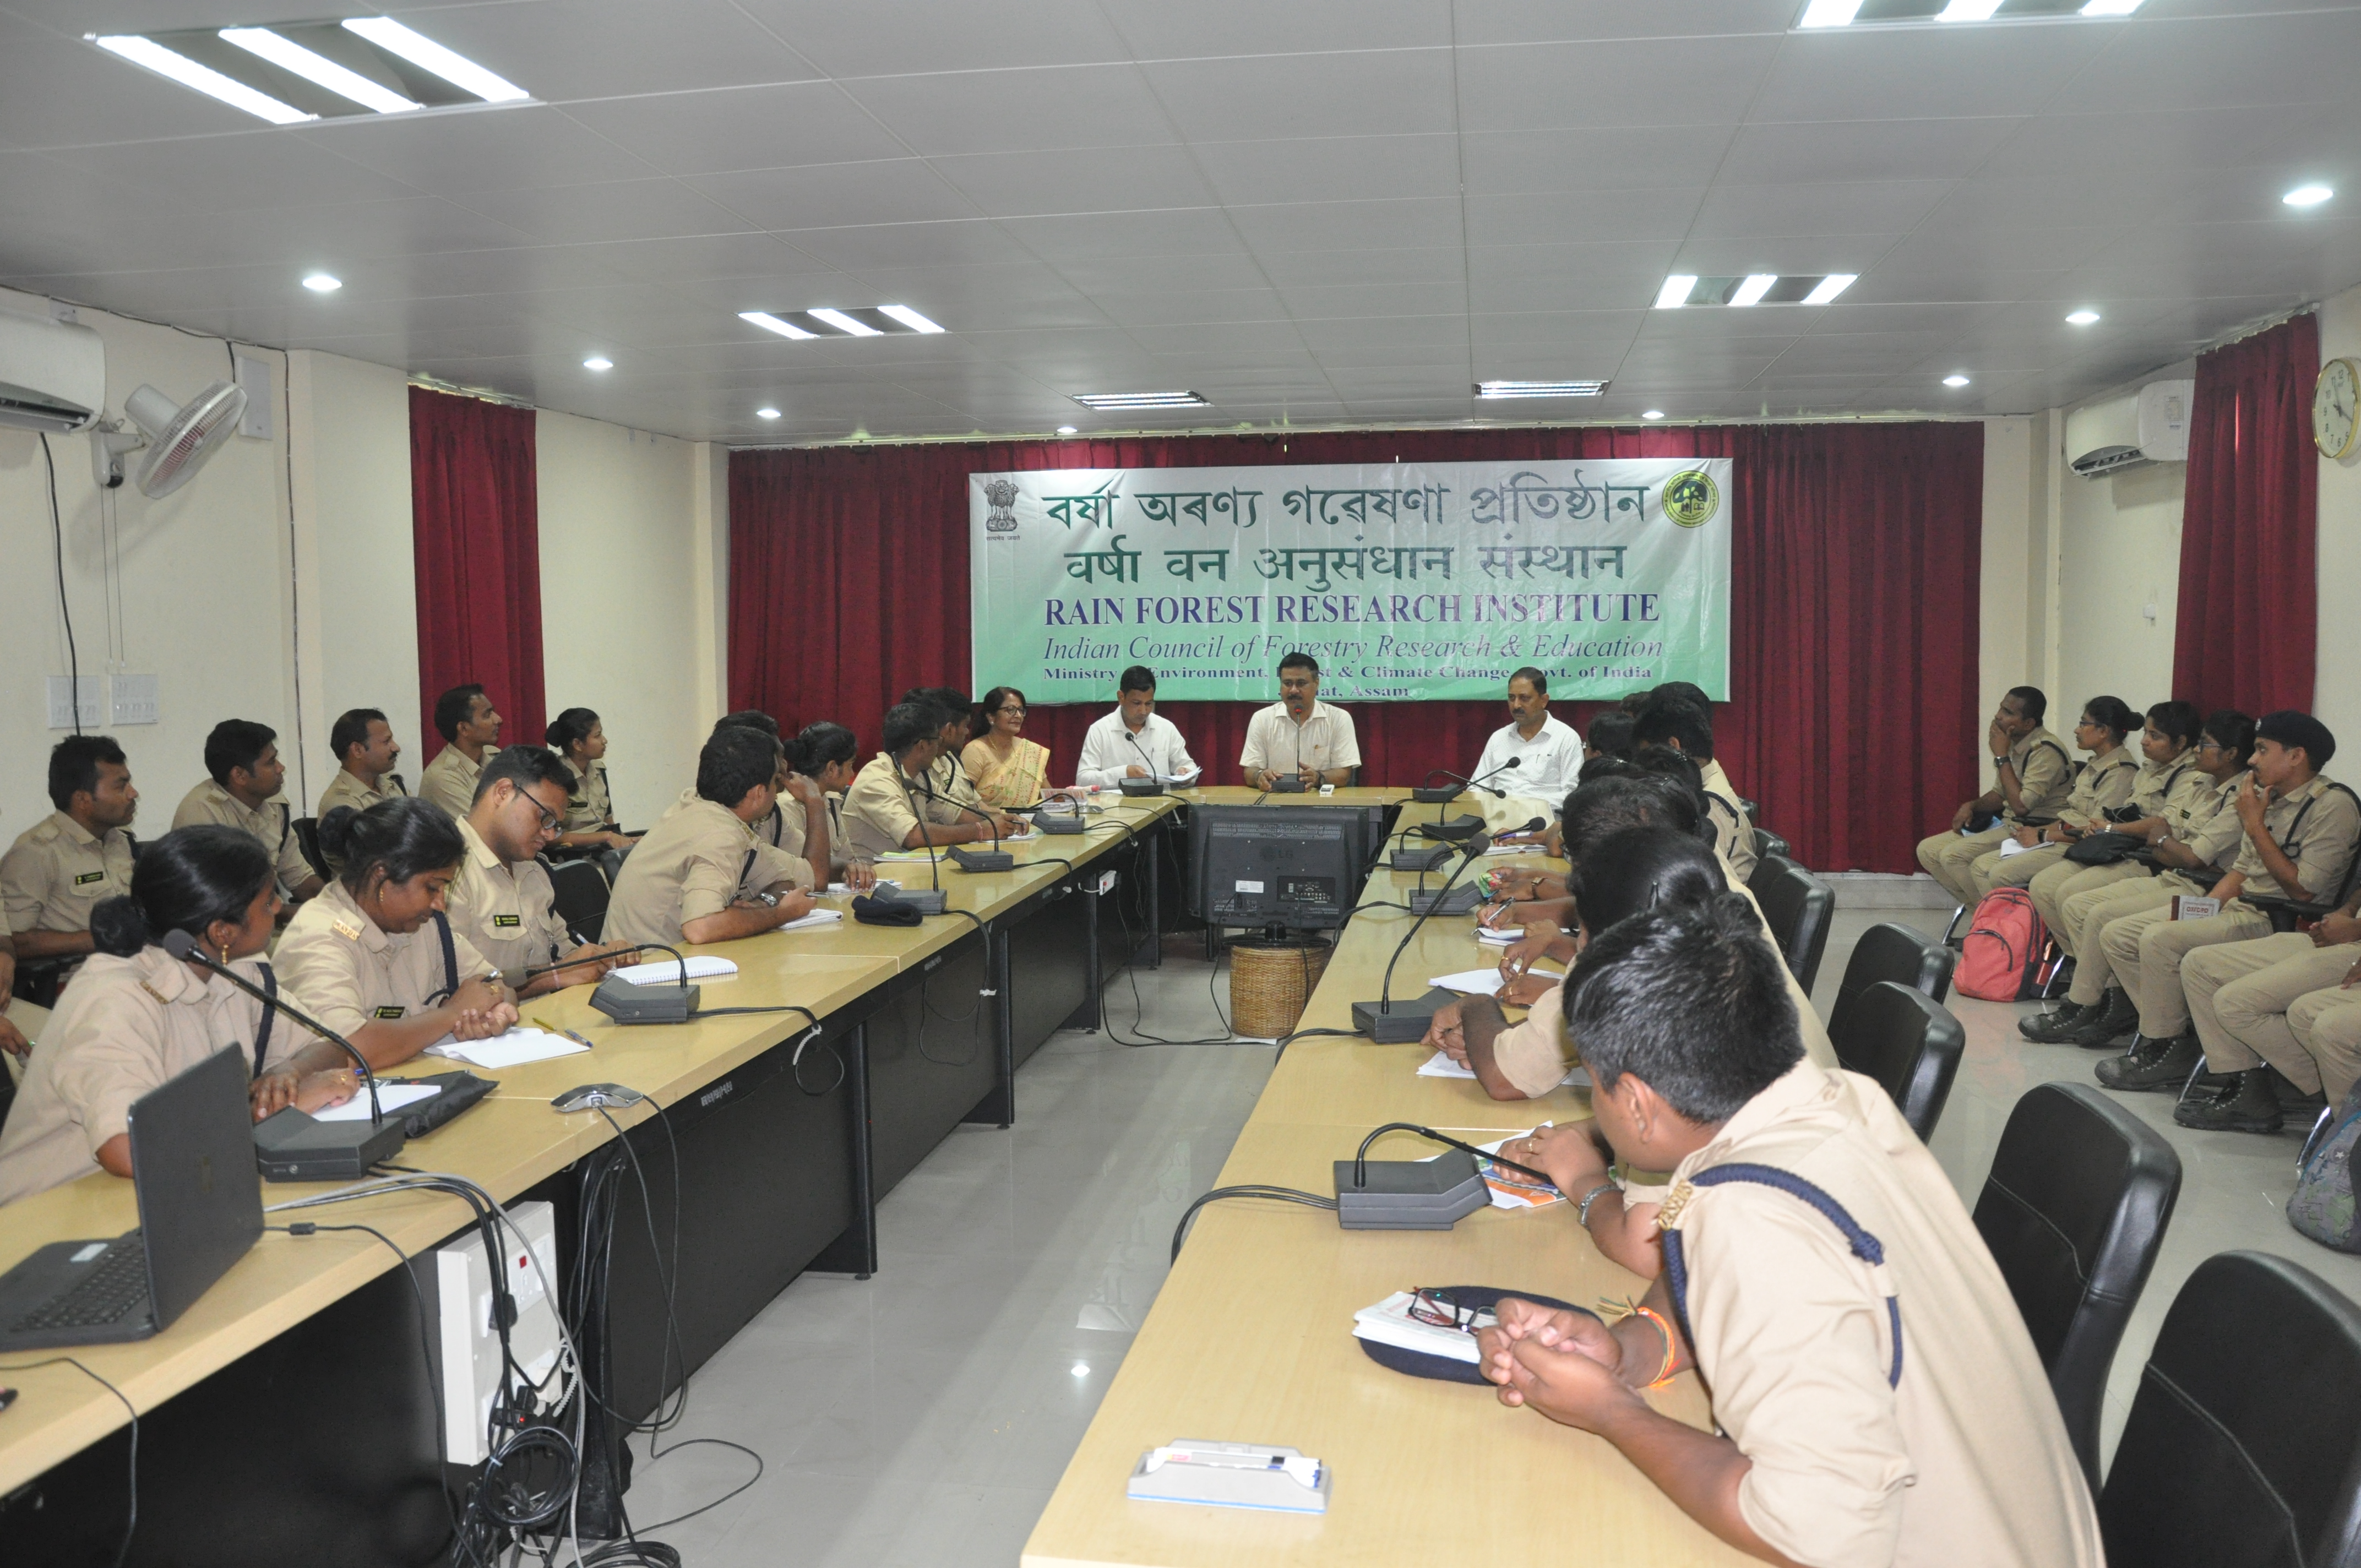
[(254, 374), (62, 695), (132, 699)]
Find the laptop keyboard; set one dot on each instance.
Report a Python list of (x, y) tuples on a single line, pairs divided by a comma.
[(116, 1287)]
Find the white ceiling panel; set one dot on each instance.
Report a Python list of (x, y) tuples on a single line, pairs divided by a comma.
[(483, 149), (1331, 169), (971, 243), (56, 90), (1181, 307), (699, 257), (1415, 223), (1593, 158), (1213, 28), (1317, 301), (836, 195), (1435, 264), (741, 127), (2264, 57), (560, 50), (1573, 217), (2090, 147), (230, 173), (1373, 93), (1536, 21), (1648, 81), (900, 37), (1078, 179), (616, 209), (1788, 211), (1911, 73), (1807, 152), (1017, 111), (1078, 241)]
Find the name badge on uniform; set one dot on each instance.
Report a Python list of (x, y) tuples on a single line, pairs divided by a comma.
[(507, 922), (387, 1012), (86, 878), (347, 930)]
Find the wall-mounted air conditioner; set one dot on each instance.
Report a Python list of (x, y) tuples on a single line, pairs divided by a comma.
[(52, 374), (2131, 433)]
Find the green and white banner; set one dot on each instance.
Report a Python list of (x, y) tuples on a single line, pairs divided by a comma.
[(1407, 582)]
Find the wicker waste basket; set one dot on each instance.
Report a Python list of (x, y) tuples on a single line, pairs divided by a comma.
[(1269, 983)]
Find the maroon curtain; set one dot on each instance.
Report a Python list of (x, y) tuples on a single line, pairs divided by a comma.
[(1854, 623), (2249, 615), (475, 527)]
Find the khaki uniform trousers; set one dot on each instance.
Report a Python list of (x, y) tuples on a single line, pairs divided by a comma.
[(2147, 951), (1949, 859), (2087, 912), (2054, 883), (2327, 1024), (2238, 997), (1996, 870)]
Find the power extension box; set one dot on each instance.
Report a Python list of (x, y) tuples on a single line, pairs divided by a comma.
[(661, 1003), (1408, 860), (472, 1370), (1411, 1194), (1405, 1020), (1460, 900), (969, 859)]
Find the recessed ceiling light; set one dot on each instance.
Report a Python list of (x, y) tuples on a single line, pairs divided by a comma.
[(1829, 12), (907, 317), (1079, 1369), (203, 77), (596, 362), (323, 283), (427, 55), (289, 55), (1832, 285), (1103, 402), (2082, 318), (2307, 195), (2111, 7), (1968, 11), (769, 323), (1955, 381), (1675, 291), (1065, 430), (766, 414), (846, 324), (1755, 286), (1539, 388), (1653, 414)]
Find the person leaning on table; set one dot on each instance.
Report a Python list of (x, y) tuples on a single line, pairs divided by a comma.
[(375, 957), (2030, 779), (1298, 735), (1132, 741), (701, 874), (137, 1018), (502, 900), (1895, 1415)]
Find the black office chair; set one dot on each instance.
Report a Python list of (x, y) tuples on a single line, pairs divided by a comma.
[(1907, 1042), (1768, 843), (1898, 953), (40, 979), (2074, 1210), (579, 893), (2244, 1443), (1798, 905), (307, 836)]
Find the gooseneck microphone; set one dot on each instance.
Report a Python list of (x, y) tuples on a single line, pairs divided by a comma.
[(1432, 795), (992, 860), (184, 947), (935, 901), (1380, 1020)]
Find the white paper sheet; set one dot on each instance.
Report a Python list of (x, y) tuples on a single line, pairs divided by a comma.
[(1440, 1065), (392, 1097), (817, 918), (667, 971), (514, 1048), (1469, 982)]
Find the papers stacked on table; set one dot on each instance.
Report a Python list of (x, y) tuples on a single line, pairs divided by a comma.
[(666, 972), (518, 1047), (1469, 982), (392, 1097), (1389, 1323), (1440, 1065)]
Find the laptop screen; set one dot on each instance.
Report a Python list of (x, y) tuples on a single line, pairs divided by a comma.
[(192, 1165)]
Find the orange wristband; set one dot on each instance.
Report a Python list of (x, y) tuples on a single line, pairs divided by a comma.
[(1671, 1353)]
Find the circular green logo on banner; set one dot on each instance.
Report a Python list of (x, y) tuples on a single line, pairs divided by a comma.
[(1691, 496)]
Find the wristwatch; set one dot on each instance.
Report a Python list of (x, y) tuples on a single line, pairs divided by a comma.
[(769, 898)]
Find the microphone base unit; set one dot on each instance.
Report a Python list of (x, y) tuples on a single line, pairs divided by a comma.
[(628, 1003), (1461, 900), (1459, 829), (291, 1146), (1140, 786), (925, 900), (1435, 794), (1426, 860), (1399, 1023), (1056, 826), (1292, 784), (1410, 1194), (982, 860)]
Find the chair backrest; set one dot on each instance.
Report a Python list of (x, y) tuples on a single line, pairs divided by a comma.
[(2074, 1210), (2244, 1443), (1767, 843), (1901, 954), (1906, 1041), (580, 892), (1798, 906), (307, 834)]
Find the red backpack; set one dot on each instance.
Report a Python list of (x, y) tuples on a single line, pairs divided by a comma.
[(2001, 960)]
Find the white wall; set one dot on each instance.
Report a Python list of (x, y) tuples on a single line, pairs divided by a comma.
[(192, 588), (2119, 560), (2337, 696), (621, 544)]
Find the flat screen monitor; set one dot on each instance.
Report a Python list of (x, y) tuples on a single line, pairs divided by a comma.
[(1296, 867)]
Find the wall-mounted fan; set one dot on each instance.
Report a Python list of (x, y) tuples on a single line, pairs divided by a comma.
[(178, 437)]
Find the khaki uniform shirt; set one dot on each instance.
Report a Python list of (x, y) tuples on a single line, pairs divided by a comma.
[(55, 871), (507, 913), (949, 779), (2316, 827), (2044, 777), (344, 970), (124, 1026), (695, 862), (2159, 785), (792, 836), (1732, 832), (273, 827), (1966, 1460), (771, 830), (346, 789), (2106, 782), (1277, 743), (877, 814), (589, 809), (449, 781)]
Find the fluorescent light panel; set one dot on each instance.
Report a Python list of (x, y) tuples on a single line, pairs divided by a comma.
[(769, 323), (1832, 285), (427, 55), (1675, 291), (845, 323), (1822, 14), (1968, 11), (908, 318), (1751, 292), (203, 77), (1539, 388), (1103, 402), (2308, 195), (289, 55), (1829, 14)]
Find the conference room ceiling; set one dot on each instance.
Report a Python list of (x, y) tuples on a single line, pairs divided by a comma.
[(1312, 213)]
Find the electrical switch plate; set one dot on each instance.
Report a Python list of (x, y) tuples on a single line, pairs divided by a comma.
[(254, 374), (132, 699), (62, 691)]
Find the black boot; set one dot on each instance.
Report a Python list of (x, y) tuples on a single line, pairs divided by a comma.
[(2050, 1028), (2246, 1105), (2152, 1064), (2119, 1017)]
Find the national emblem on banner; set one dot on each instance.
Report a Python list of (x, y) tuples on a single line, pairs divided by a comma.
[(1002, 496)]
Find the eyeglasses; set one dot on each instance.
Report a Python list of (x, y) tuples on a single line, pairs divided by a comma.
[(1437, 1310), (549, 819), (1015, 707)]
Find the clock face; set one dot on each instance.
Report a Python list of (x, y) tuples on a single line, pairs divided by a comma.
[(2335, 407)]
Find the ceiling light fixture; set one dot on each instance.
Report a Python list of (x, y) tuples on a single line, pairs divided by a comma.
[(1829, 12), (1105, 401), (1653, 414), (2308, 195), (1968, 11), (1752, 290), (597, 362), (1065, 430), (766, 414), (769, 323), (1955, 380), (2082, 318), (427, 55), (289, 55), (907, 317), (845, 323), (1832, 285), (1675, 291), (324, 283), (1539, 388), (2111, 7), (203, 77), (1079, 1369)]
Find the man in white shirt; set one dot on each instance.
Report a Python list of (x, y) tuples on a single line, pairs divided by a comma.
[(1548, 753), (1299, 736), (1132, 742)]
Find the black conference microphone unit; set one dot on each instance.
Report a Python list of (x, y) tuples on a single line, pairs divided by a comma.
[(1414, 1194), (992, 860), (1153, 783), (628, 1004), (289, 1145), (1384, 1021), (1435, 794), (934, 900), (1292, 784)]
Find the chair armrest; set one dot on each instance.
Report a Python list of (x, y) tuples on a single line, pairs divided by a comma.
[(2286, 913)]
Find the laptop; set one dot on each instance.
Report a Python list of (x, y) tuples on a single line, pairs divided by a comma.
[(200, 1209)]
